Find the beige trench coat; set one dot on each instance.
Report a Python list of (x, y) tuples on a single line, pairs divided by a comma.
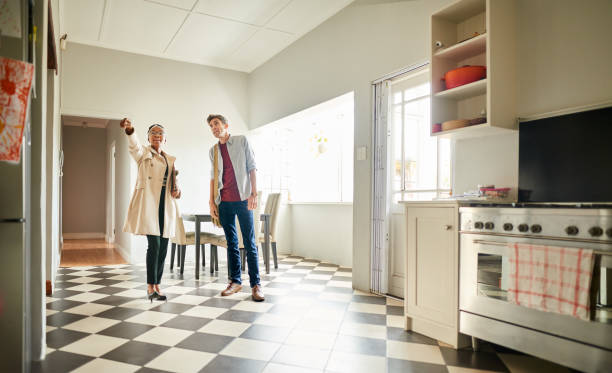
[(143, 213)]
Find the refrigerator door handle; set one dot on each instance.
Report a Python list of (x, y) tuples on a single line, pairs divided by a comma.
[(16, 220)]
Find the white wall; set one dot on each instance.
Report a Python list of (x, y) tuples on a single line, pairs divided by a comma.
[(110, 84), (346, 53), (563, 60), (323, 231), (123, 189)]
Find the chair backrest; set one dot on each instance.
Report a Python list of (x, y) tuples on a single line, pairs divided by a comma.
[(272, 207), (256, 222)]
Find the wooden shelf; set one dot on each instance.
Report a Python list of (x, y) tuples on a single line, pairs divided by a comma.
[(465, 91), (494, 47), (466, 49), (478, 130)]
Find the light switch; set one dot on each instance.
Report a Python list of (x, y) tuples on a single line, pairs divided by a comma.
[(362, 153)]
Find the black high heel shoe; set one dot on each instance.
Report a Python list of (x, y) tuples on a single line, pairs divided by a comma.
[(161, 297), (152, 296)]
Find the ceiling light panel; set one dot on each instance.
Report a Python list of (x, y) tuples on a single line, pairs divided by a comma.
[(183, 4), (301, 16), (141, 25), (83, 19), (260, 48), (209, 40), (255, 12)]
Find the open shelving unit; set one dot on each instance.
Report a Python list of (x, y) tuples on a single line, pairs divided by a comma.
[(476, 88), (475, 32)]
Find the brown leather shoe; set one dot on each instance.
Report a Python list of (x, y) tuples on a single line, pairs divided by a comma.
[(257, 294), (232, 288)]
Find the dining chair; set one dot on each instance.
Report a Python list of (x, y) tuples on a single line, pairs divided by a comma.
[(272, 208), (205, 238)]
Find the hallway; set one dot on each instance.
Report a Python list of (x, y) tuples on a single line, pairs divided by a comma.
[(312, 321), (91, 252)]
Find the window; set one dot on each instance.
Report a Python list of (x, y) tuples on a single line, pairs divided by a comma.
[(308, 156), (420, 163)]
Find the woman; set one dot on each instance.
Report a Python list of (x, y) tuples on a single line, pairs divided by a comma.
[(153, 209)]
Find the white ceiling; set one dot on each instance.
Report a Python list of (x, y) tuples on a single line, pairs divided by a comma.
[(233, 34)]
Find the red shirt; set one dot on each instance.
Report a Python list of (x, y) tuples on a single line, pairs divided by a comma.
[(229, 192)]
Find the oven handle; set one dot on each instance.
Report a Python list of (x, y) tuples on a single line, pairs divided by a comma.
[(504, 244)]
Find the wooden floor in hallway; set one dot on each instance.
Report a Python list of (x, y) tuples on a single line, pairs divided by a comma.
[(76, 253)]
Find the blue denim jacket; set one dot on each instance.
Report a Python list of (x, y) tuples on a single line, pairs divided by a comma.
[(243, 161)]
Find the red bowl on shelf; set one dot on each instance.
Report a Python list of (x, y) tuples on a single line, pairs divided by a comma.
[(464, 75)]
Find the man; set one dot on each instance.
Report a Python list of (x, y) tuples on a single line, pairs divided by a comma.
[(237, 196)]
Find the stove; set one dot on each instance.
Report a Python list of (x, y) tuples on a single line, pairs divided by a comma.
[(559, 222), (485, 235)]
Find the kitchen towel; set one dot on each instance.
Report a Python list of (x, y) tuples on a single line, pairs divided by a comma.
[(550, 278), (15, 83)]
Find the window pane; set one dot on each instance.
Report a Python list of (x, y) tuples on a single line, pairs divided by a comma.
[(416, 91), (308, 156), (397, 98), (420, 147), (396, 143)]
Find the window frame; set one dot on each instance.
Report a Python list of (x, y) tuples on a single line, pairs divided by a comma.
[(402, 191)]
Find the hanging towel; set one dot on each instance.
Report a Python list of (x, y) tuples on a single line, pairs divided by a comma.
[(549, 278)]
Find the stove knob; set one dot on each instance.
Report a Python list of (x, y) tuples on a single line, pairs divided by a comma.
[(572, 230), (489, 225), (595, 231), (508, 227), (523, 228), (609, 232), (478, 225), (536, 228)]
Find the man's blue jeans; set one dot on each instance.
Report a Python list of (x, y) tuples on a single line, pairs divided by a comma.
[(227, 215)]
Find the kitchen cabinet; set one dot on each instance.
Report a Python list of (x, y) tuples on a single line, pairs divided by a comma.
[(475, 32), (431, 300)]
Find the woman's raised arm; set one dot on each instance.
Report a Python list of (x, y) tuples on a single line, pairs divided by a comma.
[(135, 148)]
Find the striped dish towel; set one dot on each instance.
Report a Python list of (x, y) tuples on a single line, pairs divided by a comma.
[(549, 278)]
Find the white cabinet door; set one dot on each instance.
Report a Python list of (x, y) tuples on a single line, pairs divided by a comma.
[(397, 250), (432, 263)]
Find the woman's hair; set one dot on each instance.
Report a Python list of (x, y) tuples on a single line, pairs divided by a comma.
[(155, 125)]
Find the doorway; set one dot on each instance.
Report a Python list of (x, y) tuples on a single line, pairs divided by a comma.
[(88, 193), (410, 165)]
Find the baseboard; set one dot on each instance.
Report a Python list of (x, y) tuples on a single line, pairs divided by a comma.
[(49, 288), (123, 252), (83, 236)]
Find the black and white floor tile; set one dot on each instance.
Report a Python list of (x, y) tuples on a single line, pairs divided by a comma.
[(98, 320)]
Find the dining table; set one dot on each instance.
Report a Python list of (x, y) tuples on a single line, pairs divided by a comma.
[(198, 219)]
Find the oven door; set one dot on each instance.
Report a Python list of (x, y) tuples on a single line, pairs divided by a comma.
[(484, 274)]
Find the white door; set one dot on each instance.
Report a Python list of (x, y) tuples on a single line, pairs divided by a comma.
[(408, 91)]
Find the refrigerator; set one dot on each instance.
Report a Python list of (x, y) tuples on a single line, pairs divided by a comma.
[(15, 228)]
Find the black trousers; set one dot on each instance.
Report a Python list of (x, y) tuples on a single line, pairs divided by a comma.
[(158, 247)]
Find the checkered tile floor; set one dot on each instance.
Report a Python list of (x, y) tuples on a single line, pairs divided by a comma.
[(98, 320)]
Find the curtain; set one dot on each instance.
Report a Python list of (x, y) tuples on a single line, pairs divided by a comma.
[(380, 203)]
